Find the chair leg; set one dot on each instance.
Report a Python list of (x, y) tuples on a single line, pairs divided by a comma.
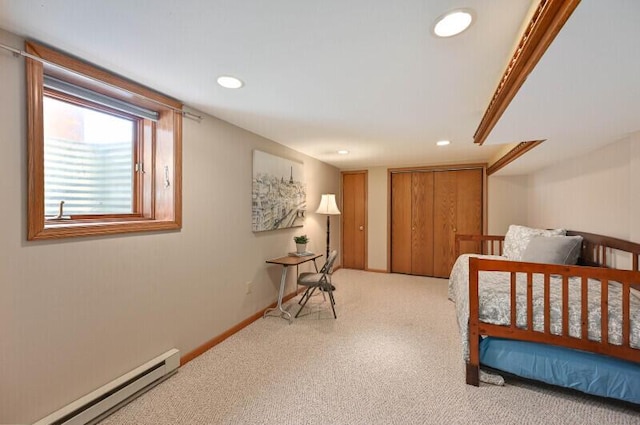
[(306, 294), (333, 302), (307, 299)]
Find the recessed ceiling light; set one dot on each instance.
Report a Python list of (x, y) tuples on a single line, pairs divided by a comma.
[(343, 151), (442, 142), (453, 23), (230, 82)]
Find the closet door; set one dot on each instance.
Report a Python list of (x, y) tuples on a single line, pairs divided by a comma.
[(422, 223), (469, 205), (428, 208), (401, 237), (444, 221), (457, 209), (354, 212)]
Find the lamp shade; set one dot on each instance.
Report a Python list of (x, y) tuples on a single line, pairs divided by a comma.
[(328, 205)]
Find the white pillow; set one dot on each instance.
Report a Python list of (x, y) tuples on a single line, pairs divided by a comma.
[(518, 237)]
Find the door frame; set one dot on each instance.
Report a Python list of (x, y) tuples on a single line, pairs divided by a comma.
[(366, 214), (449, 167)]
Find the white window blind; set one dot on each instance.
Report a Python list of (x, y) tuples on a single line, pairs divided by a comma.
[(98, 98)]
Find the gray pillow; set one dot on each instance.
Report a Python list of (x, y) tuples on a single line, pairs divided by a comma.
[(518, 237), (553, 250)]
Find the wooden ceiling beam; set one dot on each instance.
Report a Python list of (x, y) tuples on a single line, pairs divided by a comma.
[(519, 150), (548, 19)]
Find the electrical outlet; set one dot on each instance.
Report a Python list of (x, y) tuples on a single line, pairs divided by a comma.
[(248, 286)]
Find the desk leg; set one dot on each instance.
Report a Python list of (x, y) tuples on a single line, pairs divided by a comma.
[(283, 281)]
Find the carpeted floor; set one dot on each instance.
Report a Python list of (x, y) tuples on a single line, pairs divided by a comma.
[(392, 357)]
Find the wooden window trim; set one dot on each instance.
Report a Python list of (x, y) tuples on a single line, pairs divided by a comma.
[(160, 207)]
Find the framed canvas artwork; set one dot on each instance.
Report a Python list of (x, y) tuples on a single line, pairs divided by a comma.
[(279, 198)]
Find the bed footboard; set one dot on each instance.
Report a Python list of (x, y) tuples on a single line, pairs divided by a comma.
[(561, 279)]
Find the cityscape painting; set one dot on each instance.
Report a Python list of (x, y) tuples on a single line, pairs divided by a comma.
[(279, 196)]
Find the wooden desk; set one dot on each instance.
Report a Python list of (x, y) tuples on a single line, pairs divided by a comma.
[(286, 262)]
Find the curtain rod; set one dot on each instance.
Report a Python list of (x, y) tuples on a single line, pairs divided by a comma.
[(18, 52)]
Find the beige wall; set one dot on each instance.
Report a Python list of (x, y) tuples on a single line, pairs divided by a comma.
[(377, 219), (77, 313), (596, 192), (507, 203)]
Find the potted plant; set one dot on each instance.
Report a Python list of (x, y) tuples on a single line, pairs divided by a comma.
[(301, 243)]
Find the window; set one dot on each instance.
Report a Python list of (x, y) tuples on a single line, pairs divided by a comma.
[(89, 157), (104, 153)]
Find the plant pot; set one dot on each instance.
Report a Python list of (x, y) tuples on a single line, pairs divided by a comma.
[(301, 248)]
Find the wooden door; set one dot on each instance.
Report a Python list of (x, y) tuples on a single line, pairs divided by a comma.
[(354, 216), (457, 209), (444, 221), (412, 223), (401, 236), (469, 205), (422, 223)]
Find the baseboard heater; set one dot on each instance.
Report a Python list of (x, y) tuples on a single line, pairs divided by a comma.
[(96, 405)]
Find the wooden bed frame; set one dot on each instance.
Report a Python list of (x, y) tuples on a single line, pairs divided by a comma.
[(593, 264)]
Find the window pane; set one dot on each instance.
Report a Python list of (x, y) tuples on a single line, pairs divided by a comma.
[(88, 160)]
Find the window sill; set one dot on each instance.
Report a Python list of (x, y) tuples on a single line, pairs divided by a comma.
[(78, 228)]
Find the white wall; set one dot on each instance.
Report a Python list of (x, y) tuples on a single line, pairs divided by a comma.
[(77, 313)]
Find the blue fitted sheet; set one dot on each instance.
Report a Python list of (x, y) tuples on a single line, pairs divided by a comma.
[(587, 372)]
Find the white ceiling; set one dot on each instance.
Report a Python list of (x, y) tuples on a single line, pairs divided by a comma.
[(362, 75)]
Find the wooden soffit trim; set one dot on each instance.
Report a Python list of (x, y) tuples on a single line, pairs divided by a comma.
[(441, 167), (520, 149), (547, 20)]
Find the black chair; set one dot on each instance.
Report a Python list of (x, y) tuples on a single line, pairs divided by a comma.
[(320, 280)]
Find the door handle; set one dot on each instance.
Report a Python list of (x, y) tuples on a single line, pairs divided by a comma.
[(361, 227)]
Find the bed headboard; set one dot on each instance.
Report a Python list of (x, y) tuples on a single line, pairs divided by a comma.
[(599, 250)]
